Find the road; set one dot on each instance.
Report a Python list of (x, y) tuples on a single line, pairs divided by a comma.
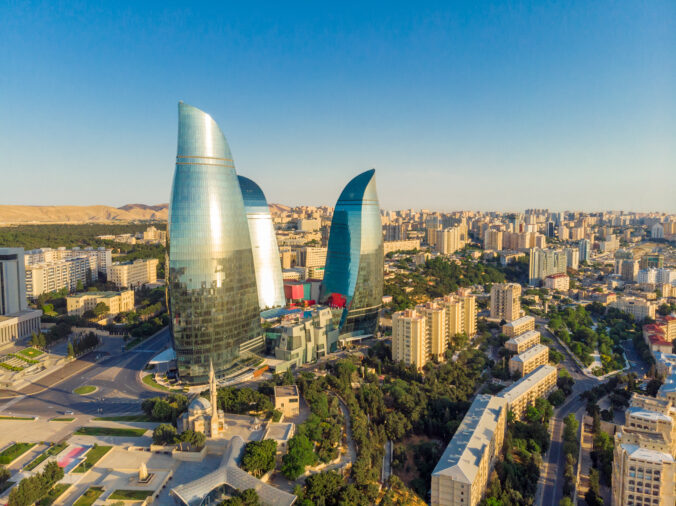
[(115, 375), (550, 484)]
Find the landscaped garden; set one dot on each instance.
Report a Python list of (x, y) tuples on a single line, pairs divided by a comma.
[(110, 431), (130, 495), (52, 450), (91, 458), (85, 390), (89, 497), (13, 452), (56, 492), (31, 352)]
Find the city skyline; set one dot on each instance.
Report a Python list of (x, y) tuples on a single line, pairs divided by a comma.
[(457, 107)]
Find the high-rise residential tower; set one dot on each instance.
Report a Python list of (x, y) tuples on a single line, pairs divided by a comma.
[(212, 295), (264, 245), (353, 277)]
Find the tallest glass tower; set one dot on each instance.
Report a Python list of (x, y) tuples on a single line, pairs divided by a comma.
[(212, 295)]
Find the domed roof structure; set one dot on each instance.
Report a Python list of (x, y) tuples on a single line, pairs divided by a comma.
[(199, 406)]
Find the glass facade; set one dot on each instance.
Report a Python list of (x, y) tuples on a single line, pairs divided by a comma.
[(353, 276), (264, 246), (211, 282)]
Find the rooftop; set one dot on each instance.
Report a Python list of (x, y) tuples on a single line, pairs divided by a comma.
[(526, 383), (530, 353), (519, 321), (463, 454), (286, 391), (645, 414), (526, 336), (638, 453)]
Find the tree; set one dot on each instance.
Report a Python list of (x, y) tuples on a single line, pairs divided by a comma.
[(4, 475), (259, 457), (247, 497), (300, 454), (566, 501), (164, 434), (324, 488), (101, 309), (71, 350), (79, 286), (162, 410), (396, 425), (195, 439)]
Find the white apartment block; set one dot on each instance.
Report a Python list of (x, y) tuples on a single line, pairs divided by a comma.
[(405, 245), (545, 262), (134, 274), (526, 362), (523, 393), (560, 282), (506, 301), (100, 259), (58, 274), (463, 471), (522, 342), (519, 326)]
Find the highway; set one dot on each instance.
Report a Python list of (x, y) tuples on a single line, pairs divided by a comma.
[(115, 374)]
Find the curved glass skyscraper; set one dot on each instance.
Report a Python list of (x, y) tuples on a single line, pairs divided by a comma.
[(264, 245), (211, 282), (353, 276)]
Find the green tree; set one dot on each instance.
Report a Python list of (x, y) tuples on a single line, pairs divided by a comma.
[(79, 286), (259, 457), (324, 488), (195, 439), (71, 350), (162, 410), (101, 309), (164, 434), (300, 454), (396, 425), (4, 475)]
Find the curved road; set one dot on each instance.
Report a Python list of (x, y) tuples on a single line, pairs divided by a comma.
[(115, 376)]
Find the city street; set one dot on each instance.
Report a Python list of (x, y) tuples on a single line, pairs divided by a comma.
[(116, 377)]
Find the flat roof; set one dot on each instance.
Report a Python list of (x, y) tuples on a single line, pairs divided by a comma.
[(636, 452), (529, 334), (519, 388), (461, 458), (519, 321), (646, 414), (286, 391), (530, 353)]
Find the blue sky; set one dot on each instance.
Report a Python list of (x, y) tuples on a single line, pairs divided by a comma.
[(457, 105)]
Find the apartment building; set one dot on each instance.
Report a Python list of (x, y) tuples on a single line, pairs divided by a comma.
[(644, 464), (560, 282), (506, 301), (638, 308), (520, 343), (526, 362), (450, 240), (545, 262), (409, 338), (435, 329), (134, 274), (463, 471), (405, 245), (519, 326), (312, 257), (58, 274), (100, 259), (117, 302), (523, 393), (493, 240)]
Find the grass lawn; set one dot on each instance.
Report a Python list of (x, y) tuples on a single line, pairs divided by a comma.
[(14, 451), (53, 495), (91, 458), (52, 450), (149, 380), (16, 418), (84, 390), (125, 418), (89, 497), (130, 495), (109, 431), (62, 419), (31, 352)]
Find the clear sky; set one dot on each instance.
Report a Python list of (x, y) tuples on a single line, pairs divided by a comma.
[(457, 105)]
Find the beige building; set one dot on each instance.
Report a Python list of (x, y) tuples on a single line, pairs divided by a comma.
[(526, 362), (559, 282), (409, 338), (644, 465), (463, 471), (523, 393), (312, 257), (405, 245), (493, 240), (519, 326), (522, 342), (450, 240), (134, 274), (506, 301), (287, 400), (639, 308), (435, 329), (117, 302), (18, 325)]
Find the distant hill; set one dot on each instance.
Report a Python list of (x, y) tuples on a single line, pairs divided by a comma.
[(279, 208), (15, 215)]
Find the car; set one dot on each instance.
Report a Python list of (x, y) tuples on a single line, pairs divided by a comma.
[(67, 412)]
